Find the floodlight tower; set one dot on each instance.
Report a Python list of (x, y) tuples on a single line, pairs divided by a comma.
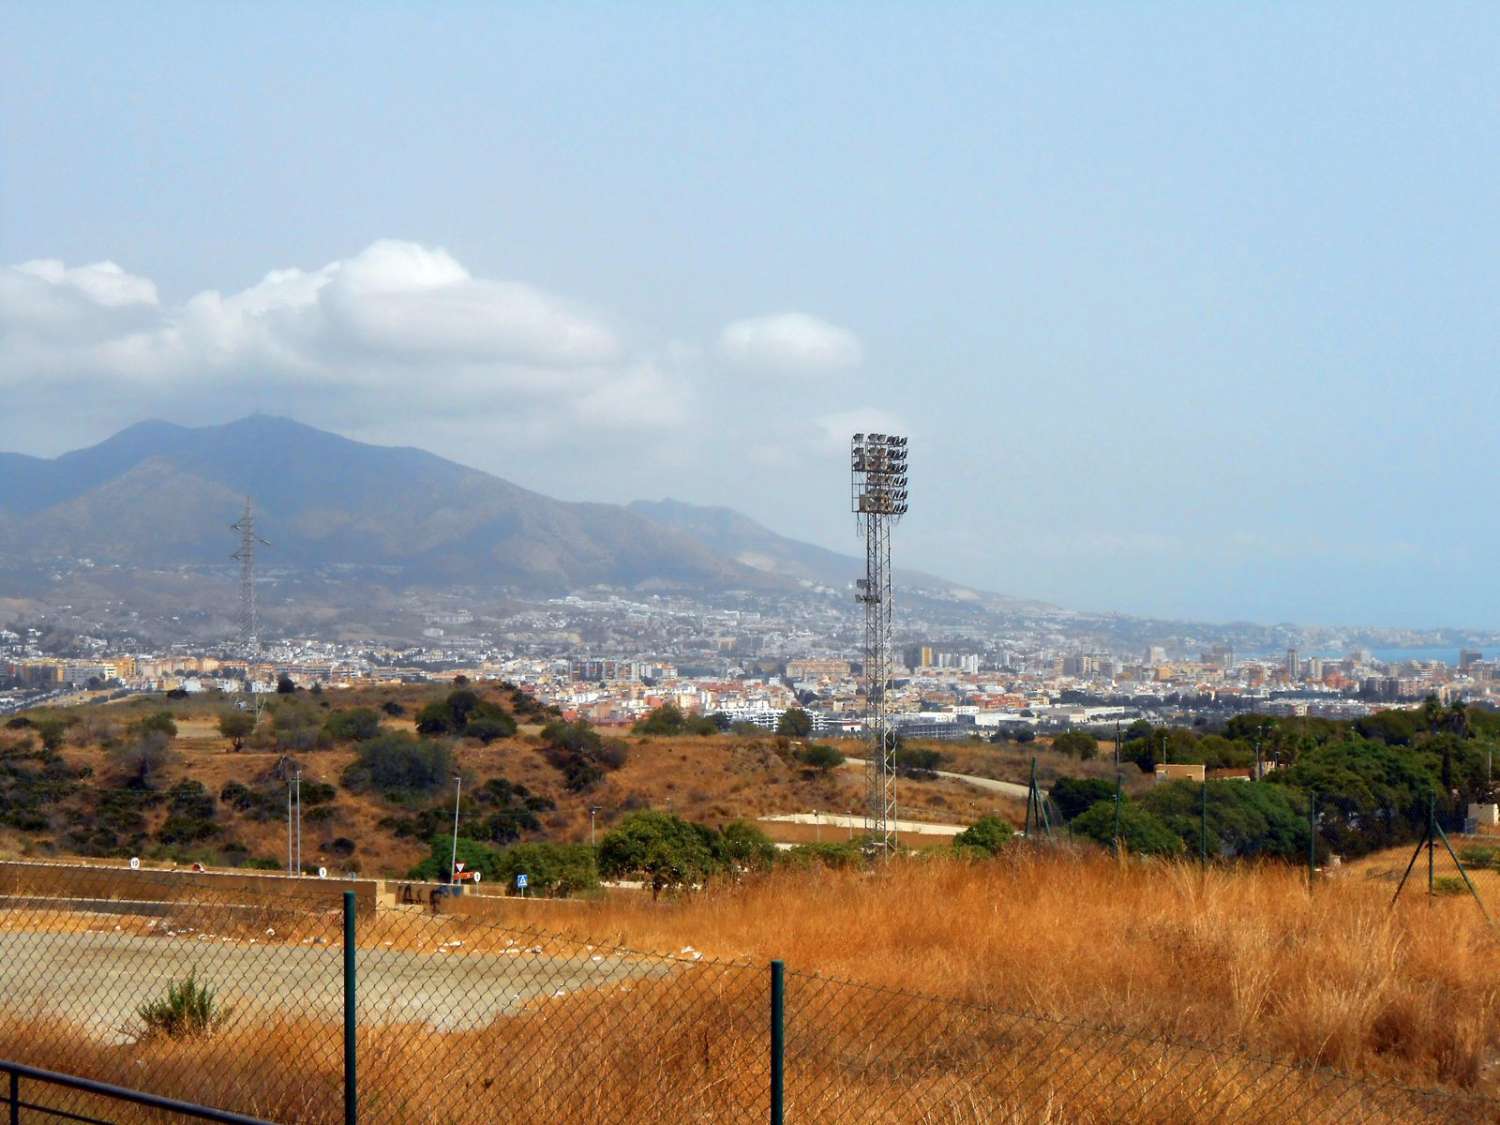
[(878, 496), (245, 556)]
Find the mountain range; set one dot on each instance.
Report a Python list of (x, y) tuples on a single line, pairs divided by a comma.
[(161, 495)]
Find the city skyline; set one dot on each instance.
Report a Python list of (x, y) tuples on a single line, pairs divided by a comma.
[(1186, 311)]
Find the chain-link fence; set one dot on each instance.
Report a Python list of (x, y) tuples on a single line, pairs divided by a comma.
[(247, 1004)]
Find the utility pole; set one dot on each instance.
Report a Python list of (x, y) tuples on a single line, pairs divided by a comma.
[(593, 809), (290, 870), (458, 790)]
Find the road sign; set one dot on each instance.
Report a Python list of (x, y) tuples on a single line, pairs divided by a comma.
[(135, 863), (459, 866), (521, 882), (478, 875), (322, 873)]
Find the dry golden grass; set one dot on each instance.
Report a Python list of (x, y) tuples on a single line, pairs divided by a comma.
[(1239, 957)]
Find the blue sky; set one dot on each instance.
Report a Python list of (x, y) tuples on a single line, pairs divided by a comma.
[(1188, 309)]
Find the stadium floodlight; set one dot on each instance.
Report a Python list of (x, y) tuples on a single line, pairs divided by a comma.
[(879, 498)]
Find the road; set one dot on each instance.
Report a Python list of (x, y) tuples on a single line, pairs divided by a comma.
[(98, 980), (1006, 788)]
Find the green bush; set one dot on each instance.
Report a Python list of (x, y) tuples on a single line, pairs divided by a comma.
[(837, 856), (820, 757), (358, 724), (1476, 855), (400, 766), (1141, 831), (189, 1010), (1072, 795), (1077, 744), (987, 834), (1449, 885), (669, 721)]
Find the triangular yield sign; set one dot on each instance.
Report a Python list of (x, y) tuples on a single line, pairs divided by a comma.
[(459, 865)]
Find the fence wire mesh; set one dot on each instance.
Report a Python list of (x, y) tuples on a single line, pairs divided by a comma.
[(471, 1018)]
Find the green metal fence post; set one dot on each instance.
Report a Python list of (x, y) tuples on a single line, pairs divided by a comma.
[(778, 1040), (1431, 825), (1119, 782), (351, 1092), (1312, 838), (15, 1098), (1203, 820)]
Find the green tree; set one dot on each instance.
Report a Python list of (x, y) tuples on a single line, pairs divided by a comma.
[(1244, 819), (1074, 795), (1369, 796), (820, 757), (52, 732), (794, 723), (658, 848), (158, 722), (358, 724), (236, 726), (988, 834), (398, 765), (141, 757), (744, 847), (1142, 831), (1077, 744), (285, 685), (669, 721)]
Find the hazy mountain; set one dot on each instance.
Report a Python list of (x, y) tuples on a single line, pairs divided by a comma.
[(740, 538), (160, 494)]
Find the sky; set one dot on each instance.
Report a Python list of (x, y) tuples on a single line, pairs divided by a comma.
[(1189, 310)]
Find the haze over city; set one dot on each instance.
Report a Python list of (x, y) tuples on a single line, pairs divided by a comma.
[(1187, 312)]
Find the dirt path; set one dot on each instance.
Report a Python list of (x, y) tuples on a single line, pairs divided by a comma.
[(97, 980)]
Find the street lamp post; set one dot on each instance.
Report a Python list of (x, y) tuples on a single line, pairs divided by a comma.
[(458, 790), (593, 810)]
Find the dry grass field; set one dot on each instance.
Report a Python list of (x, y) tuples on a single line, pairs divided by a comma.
[(1243, 958)]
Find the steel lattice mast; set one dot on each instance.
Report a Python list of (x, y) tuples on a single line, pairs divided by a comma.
[(878, 496), (245, 556)]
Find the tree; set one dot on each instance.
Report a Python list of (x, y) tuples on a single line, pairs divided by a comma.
[(1141, 831), (140, 758), (659, 848), (236, 726), (744, 847), (820, 757), (1244, 820), (554, 870), (359, 724), (1074, 795), (52, 732), (398, 765), (917, 762), (988, 834), (1077, 744), (794, 723), (669, 721), (464, 714), (285, 685), (159, 722)]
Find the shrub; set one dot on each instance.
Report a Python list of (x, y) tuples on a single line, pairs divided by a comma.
[(669, 721), (392, 708), (1141, 831), (1073, 795), (189, 1010), (398, 765), (236, 726), (580, 754), (463, 713), (988, 834), (917, 762), (1476, 855), (659, 848), (744, 847), (1077, 744), (190, 815), (359, 724), (794, 723), (820, 757), (837, 856)]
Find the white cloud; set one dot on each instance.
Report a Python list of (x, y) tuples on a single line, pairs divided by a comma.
[(790, 343), (397, 322)]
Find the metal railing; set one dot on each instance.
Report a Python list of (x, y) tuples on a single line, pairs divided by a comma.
[(14, 1102)]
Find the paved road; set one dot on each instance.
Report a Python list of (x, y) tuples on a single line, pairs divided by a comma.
[(98, 980), (1007, 788)]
